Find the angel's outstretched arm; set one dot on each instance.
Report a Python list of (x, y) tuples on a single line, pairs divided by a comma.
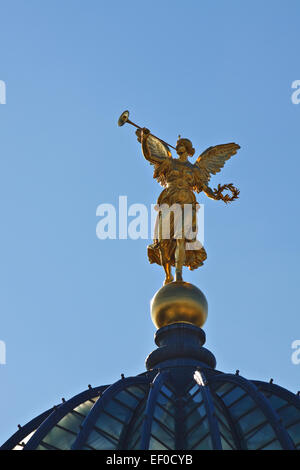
[(210, 193), (217, 194)]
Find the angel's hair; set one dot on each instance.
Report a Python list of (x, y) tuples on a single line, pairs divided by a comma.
[(188, 145)]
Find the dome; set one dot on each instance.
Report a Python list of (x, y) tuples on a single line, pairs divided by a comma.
[(182, 402)]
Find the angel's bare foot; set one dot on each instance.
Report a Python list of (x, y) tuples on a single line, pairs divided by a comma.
[(168, 280)]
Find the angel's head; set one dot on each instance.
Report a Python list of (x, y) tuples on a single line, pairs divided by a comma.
[(184, 149)]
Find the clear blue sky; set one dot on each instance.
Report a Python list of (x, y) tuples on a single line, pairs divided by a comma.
[(74, 309)]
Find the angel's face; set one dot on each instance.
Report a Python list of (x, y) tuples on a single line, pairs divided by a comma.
[(182, 152)]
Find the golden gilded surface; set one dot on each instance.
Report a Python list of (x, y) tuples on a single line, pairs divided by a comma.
[(181, 179), (179, 302)]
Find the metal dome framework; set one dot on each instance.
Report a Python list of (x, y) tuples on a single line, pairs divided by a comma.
[(179, 407)]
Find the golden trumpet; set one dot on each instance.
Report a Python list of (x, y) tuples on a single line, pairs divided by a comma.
[(125, 118)]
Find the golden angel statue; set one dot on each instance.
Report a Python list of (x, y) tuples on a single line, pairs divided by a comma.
[(181, 179)]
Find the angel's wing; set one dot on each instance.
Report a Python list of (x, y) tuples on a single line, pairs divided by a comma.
[(157, 148), (213, 159), (159, 155)]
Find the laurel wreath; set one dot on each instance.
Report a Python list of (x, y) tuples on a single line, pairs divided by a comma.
[(226, 197)]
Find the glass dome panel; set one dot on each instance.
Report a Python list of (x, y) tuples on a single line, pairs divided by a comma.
[(287, 411), (250, 421), (134, 432), (64, 433), (197, 433), (163, 423), (228, 439), (114, 418)]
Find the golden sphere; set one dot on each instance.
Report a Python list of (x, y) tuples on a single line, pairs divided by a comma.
[(179, 302)]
